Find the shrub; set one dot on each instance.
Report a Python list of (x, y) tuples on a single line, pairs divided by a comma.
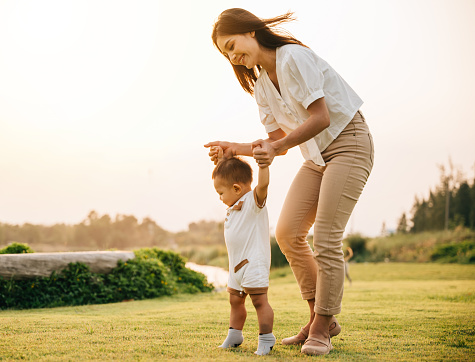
[(462, 252), (278, 259), (186, 280), (16, 248), (358, 244), (440, 246), (153, 273)]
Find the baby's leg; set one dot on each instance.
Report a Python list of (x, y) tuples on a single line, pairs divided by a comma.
[(238, 311), (265, 314), (265, 317), (236, 321)]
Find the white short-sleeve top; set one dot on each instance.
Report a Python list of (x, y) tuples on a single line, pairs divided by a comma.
[(246, 233), (303, 78)]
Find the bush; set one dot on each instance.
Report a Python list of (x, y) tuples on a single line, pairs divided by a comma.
[(358, 244), (278, 259), (16, 248), (153, 273), (440, 246), (186, 280), (462, 252)]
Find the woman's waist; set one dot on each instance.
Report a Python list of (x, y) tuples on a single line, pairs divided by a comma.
[(357, 124)]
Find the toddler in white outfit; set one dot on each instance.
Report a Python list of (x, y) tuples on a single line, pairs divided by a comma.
[(246, 232)]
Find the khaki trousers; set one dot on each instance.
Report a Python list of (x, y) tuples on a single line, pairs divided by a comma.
[(326, 196)]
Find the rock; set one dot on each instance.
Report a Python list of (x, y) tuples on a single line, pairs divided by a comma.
[(25, 266)]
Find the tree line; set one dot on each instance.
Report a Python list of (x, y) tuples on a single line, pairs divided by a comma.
[(102, 232), (449, 205)]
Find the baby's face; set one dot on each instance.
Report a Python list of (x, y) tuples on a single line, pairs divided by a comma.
[(227, 193)]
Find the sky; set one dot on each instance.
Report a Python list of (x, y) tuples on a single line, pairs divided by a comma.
[(106, 105)]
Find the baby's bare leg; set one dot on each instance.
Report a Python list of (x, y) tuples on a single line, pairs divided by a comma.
[(265, 317), (238, 311), (236, 321), (265, 314)]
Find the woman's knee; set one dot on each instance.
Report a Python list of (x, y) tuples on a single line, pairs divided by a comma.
[(333, 254), (287, 235), (292, 241), (282, 236)]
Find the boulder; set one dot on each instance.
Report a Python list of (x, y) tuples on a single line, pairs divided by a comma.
[(25, 266)]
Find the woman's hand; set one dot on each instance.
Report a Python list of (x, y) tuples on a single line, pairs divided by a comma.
[(263, 152), (218, 151), (219, 146)]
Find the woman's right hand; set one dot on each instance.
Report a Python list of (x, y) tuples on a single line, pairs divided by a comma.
[(228, 151), (263, 152)]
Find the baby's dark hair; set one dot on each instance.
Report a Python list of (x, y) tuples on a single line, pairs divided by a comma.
[(233, 170)]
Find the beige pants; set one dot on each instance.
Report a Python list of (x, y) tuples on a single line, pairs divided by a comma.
[(326, 196)]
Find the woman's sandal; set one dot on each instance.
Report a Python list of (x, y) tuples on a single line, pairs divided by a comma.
[(334, 330), (295, 340), (320, 349)]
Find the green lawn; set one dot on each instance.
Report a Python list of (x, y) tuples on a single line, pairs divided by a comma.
[(391, 312)]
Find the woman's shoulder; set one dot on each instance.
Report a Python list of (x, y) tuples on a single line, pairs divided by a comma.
[(294, 50), (260, 79), (295, 56)]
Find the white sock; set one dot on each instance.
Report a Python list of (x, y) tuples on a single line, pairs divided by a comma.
[(266, 342), (234, 338)]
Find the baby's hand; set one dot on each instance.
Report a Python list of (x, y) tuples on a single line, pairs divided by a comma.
[(260, 152), (220, 150), (218, 153)]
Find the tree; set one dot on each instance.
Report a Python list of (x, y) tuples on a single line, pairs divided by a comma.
[(462, 205), (435, 212), (419, 218), (125, 231), (472, 205), (402, 227), (99, 229), (449, 177), (450, 204), (384, 231)]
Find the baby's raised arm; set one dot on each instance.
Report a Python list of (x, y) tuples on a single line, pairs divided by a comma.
[(262, 184)]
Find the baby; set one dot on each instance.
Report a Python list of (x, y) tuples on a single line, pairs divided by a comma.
[(246, 232)]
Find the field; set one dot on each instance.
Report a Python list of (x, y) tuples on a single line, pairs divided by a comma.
[(393, 311)]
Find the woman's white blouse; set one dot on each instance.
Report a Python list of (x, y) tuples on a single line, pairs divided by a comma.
[(303, 78)]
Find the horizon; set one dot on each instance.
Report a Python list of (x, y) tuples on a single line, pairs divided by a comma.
[(100, 111)]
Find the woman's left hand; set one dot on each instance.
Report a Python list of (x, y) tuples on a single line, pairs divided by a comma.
[(263, 152)]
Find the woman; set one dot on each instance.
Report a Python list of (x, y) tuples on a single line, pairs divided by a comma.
[(302, 101)]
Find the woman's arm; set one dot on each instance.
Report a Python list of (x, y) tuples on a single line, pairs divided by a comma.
[(318, 120), (275, 136), (231, 149)]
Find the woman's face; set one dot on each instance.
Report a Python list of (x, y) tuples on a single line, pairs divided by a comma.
[(240, 49)]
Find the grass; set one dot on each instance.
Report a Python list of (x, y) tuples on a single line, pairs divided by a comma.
[(391, 312), (420, 247)]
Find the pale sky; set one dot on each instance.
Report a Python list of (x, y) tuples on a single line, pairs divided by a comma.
[(106, 105)]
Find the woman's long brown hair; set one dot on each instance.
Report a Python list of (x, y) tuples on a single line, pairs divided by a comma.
[(240, 21)]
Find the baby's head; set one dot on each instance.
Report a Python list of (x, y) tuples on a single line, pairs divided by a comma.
[(232, 179)]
